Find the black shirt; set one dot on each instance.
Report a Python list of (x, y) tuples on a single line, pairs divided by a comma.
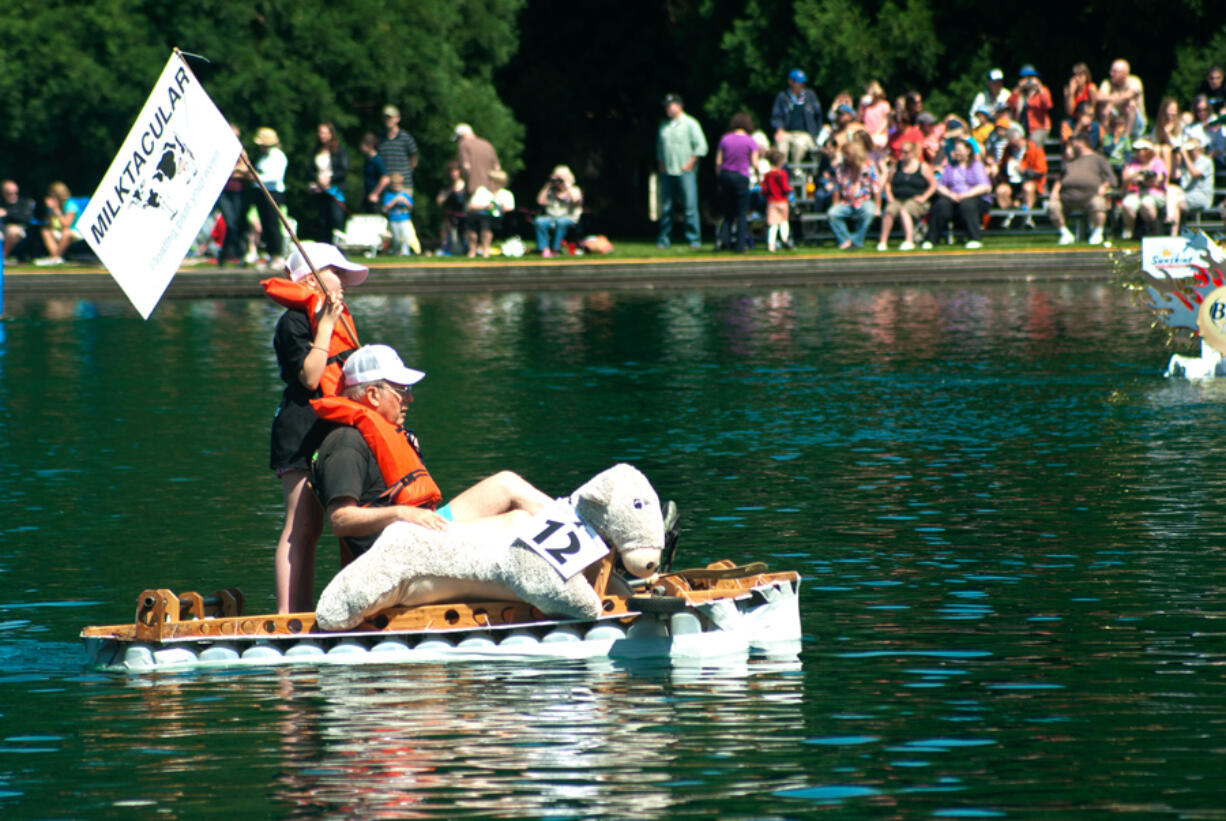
[(19, 213), (296, 430), (346, 468)]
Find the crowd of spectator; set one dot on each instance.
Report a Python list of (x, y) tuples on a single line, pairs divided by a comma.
[(864, 158), (250, 223)]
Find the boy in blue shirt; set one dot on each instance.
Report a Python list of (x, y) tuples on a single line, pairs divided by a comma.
[(398, 205)]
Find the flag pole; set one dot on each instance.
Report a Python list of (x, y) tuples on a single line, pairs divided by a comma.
[(289, 229)]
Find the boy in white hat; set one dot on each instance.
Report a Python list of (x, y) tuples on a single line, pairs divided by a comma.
[(311, 341)]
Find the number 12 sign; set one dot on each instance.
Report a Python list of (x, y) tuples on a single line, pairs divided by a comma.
[(560, 537)]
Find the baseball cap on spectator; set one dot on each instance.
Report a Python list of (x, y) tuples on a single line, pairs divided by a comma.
[(391, 111), (1028, 71), (797, 76), (984, 110), (925, 118), (996, 76), (1137, 145), (323, 256), (378, 363), (462, 130), (844, 108), (669, 99)]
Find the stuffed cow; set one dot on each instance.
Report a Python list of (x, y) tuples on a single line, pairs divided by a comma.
[(539, 561)]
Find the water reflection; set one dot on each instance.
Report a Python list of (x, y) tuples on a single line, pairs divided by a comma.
[(1006, 519), (476, 740)]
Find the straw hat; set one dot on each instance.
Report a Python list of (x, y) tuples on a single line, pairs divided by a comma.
[(266, 137)]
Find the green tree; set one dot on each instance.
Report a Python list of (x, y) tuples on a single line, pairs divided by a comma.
[(1192, 60), (77, 74)]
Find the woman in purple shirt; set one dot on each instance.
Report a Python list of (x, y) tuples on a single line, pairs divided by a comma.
[(961, 189), (736, 154)]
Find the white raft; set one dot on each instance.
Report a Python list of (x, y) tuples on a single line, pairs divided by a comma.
[(689, 616)]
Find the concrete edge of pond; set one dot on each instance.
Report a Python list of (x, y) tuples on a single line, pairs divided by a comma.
[(702, 270)]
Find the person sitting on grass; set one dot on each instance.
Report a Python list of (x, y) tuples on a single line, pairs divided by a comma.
[(59, 218), (452, 200), (16, 216), (486, 208), (563, 203)]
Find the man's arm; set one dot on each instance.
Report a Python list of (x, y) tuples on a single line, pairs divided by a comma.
[(779, 112), (698, 140), (348, 519), (377, 191)]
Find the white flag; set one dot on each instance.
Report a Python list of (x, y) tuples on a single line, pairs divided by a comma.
[(161, 186)]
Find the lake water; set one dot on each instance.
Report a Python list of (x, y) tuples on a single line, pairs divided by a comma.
[(1008, 522)]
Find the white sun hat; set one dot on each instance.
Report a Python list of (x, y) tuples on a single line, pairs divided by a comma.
[(379, 363), (324, 256)]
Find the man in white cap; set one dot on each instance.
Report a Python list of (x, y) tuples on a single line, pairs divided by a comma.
[(477, 158), (368, 472), (995, 94)]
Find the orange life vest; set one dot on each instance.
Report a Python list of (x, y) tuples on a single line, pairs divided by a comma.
[(300, 297), (408, 482)]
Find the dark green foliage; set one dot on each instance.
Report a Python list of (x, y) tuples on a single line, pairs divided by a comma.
[(546, 81), (76, 75)]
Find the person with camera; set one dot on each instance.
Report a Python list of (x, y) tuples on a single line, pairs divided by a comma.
[(563, 204), (1030, 103), (1193, 173), (1144, 181), (1021, 174)]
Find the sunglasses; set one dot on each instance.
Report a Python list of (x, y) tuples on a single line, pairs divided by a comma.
[(403, 392)]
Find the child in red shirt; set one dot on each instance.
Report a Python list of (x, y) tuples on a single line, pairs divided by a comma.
[(777, 189)]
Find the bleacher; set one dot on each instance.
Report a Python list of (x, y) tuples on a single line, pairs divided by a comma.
[(811, 226)]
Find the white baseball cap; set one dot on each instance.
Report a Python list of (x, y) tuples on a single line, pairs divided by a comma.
[(379, 363), (323, 256)]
